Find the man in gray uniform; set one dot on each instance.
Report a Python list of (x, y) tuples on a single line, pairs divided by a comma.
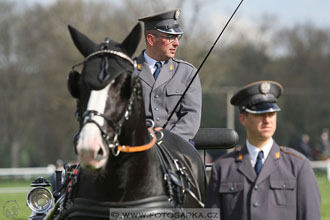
[(263, 180), (164, 78)]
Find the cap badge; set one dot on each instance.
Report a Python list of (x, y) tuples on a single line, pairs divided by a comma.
[(176, 14), (265, 87)]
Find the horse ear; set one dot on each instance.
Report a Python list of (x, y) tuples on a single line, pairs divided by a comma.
[(82, 42), (132, 40)]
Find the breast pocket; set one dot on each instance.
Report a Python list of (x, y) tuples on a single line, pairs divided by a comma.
[(284, 192), (173, 95), (231, 195)]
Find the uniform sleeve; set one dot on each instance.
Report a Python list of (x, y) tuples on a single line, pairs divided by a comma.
[(212, 199), (190, 112), (308, 194)]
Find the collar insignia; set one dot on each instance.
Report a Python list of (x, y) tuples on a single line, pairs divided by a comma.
[(139, 66), (171, 67), (277, 155)]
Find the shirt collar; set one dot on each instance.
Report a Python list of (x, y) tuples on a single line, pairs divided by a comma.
[(253, 151), (151, 62)]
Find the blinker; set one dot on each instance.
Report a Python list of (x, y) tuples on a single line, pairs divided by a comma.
[(73, 83)]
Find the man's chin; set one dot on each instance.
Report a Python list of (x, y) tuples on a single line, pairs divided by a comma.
[(171, 54), (267, 135)]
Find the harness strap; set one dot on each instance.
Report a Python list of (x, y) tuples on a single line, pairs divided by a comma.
[(74, 176), (133, 149), (93, 209), (177, 179)]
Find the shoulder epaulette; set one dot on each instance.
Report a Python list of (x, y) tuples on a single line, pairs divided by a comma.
[(237, 153), (182, 61), (284, 150), (233, 154)]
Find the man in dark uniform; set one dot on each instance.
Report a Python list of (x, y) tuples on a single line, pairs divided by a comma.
[(164, 78), (263, 180)]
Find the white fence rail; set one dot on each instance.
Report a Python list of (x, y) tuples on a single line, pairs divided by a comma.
[(322, 164), (27, 172)]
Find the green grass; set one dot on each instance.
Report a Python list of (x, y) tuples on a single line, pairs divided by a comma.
[(324, 185), (17, 205), (13, 205), (15, 182)]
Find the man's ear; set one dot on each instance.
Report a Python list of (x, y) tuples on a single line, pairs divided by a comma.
[(242, 119), (150, 39)]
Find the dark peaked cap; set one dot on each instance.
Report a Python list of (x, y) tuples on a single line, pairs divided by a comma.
[(165, 22), (258, 97)]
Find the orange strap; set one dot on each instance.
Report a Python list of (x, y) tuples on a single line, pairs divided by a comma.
[(132, 149)]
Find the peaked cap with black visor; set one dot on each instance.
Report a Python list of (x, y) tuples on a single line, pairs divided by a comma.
[(258, 97), (165, 22)]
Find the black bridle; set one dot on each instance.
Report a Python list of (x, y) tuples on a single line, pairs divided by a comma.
[(87, 116)]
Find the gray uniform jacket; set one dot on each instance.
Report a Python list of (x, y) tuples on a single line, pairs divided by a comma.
[(286, 188), (161, 96)]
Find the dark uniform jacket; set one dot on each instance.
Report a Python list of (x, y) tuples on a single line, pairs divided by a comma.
[(286, 188), (161, 96)]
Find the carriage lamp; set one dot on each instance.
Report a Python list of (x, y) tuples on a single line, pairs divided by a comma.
[(40, 199)]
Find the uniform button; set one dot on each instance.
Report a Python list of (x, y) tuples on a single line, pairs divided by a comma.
[(177, 91), (232, 188), (156, 96), (284, 186), (156, 109), (256, 187), (255, 204), (157, 119)]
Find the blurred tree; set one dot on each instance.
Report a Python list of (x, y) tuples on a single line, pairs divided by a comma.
[(36, 54), (15, 86), (303, 70)]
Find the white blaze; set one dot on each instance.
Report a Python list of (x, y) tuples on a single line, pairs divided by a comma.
[(90, 139)]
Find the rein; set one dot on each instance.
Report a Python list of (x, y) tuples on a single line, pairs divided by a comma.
[(133, 149), (176, 176)]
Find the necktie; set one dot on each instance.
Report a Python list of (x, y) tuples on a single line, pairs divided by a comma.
[(258, 165), (158, 67)]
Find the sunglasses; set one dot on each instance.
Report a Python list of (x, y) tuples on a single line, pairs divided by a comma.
[(170, 37)]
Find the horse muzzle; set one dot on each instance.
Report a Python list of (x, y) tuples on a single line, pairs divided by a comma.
[(91, 149)]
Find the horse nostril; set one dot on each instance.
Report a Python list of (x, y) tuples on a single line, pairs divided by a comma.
[(100, 152)]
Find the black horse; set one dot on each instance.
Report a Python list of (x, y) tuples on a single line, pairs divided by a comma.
[(124, 161)]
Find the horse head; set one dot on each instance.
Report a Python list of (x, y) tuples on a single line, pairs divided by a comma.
[(107, 92)]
